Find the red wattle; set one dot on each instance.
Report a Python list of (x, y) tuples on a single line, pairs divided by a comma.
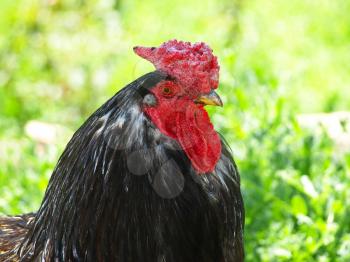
[(190, 125), (198, 138)]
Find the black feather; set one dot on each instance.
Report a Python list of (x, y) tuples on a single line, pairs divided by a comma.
[(122, 191)]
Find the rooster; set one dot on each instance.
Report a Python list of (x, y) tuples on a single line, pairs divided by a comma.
[(145, 178)]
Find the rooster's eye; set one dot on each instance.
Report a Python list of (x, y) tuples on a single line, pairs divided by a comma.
[(167, 91)]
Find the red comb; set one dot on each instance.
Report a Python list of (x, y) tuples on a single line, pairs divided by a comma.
[(192, 65)]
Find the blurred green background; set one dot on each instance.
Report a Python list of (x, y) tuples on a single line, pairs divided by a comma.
[(61, 59)]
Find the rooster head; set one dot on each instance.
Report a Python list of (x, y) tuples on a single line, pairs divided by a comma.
[(176, 105)]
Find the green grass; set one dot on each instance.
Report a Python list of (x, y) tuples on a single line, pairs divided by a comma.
[(60, 61)]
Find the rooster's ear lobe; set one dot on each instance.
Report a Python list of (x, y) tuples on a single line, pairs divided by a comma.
[(149, 100)]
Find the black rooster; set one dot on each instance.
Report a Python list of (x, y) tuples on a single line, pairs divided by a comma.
[(145, 178)]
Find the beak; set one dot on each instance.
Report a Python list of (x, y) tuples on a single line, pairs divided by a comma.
[(212, 99)]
